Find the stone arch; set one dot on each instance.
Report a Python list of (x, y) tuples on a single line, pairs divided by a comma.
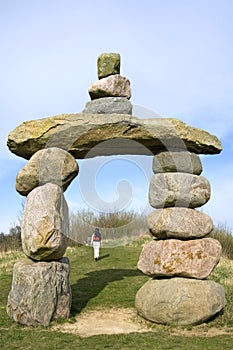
[(179, 259), (175, 223)]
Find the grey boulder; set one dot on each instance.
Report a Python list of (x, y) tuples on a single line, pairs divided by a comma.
[(182, 223), (105, 105), (40, 292), (52, 165), (180, 301), (45, 224), (177, 161), (178, 190)]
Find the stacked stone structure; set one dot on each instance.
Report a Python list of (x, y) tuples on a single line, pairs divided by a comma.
[(180, 257), (111, 93), (40, 289)]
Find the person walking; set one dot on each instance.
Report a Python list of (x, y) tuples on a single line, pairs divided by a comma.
[(96, 243)]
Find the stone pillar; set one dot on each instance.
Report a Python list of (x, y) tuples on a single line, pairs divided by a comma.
[(181, 256), (40, 290)]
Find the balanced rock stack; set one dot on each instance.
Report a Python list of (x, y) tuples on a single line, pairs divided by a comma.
[(181, 256), (179, 259), (40, 289), (111, 93)]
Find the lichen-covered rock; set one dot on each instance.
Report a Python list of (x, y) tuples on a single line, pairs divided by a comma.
[(79, 133), (45, 224), (52, 165), (108, 64), (172, 257), (182, 223), (40, 292), (178, 190), (113, 85), (180, 301), (109, 105), (177, 161)]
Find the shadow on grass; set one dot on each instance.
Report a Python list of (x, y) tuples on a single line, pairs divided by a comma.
[(95, 281), (103, 256)]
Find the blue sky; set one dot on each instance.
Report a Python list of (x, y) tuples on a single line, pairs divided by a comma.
[(177, 54)]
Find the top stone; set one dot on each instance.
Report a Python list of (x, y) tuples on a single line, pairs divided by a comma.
[(108, 64)]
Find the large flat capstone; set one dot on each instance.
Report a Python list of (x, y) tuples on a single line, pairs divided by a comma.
[(80, 133)]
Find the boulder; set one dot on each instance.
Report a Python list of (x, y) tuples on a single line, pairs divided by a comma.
[(180, 301), (182, 223), (40, 292), (113, 85), (172, 257), (79, 133), (104, 105), (108, 64), (52, 165), (178, 190), (45, 224), (177, 161)]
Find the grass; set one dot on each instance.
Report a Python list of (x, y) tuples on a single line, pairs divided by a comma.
[(111, 282)]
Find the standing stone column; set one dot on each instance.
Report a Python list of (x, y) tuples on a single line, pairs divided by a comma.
[(181, 256), (40, 290)]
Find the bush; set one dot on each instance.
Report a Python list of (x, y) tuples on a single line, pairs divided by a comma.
[(12, 241), (117, 226), (224, 235)]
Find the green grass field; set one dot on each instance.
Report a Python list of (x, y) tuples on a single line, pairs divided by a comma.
[(112, 282)]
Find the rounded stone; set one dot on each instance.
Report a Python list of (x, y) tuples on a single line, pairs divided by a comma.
[(111, 86), (182, 223), (178, 190), (173, 257), (108, 64), (180, 301), (50, 165), (177, 161), (45, 224), (108, 105)]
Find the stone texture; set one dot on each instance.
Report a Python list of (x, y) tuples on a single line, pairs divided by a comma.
[(114, 85), (104, 105), (45, 224), (108, 64), (178, 190), (79, 133), (177, 161), (52, 165), (172, 257), (40, 292), (182, 223), (180, 301)]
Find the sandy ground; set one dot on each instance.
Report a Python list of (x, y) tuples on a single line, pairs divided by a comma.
[(118, 321)]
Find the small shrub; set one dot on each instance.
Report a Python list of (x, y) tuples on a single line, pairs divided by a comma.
[(120, 227), (12, 241), (224, 235)]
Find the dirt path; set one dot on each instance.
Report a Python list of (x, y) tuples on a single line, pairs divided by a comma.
[(118, 321), (106, 321)]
